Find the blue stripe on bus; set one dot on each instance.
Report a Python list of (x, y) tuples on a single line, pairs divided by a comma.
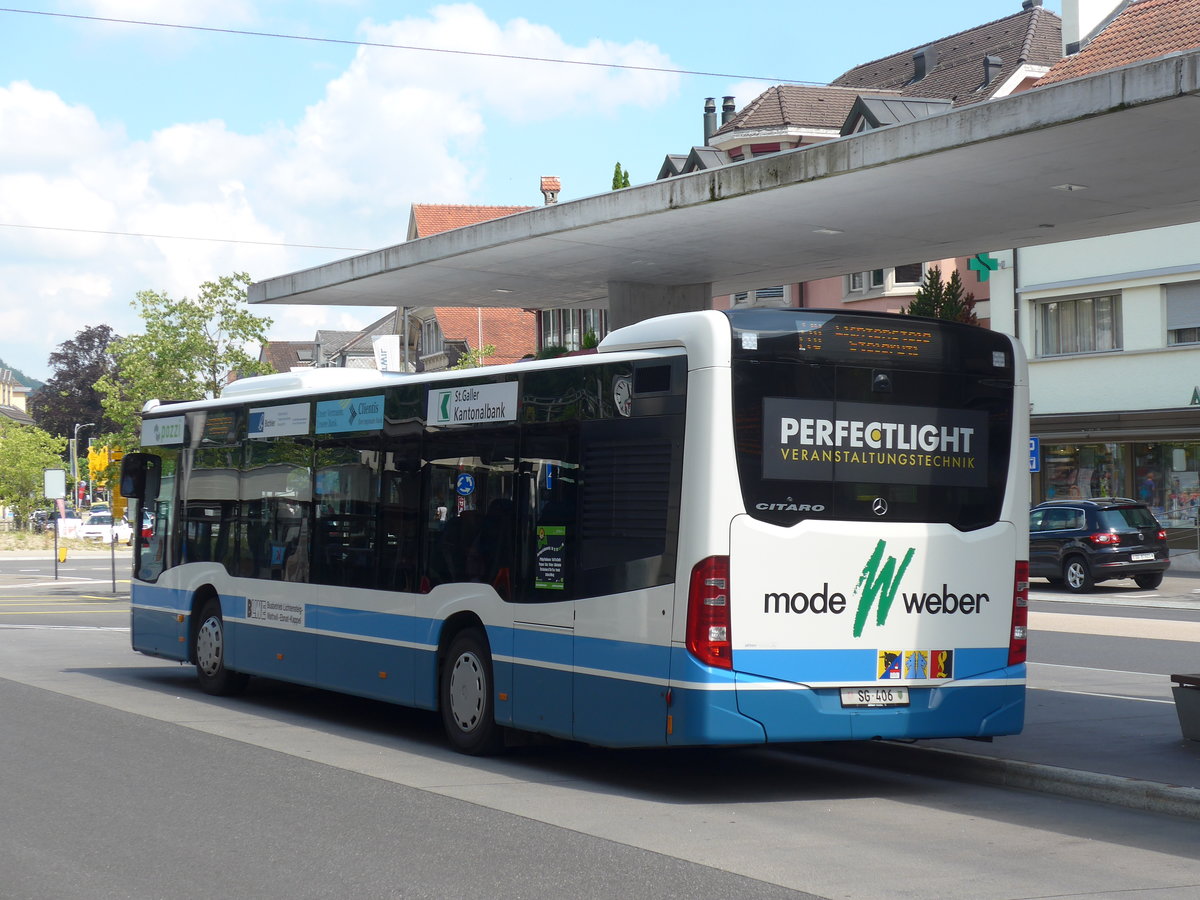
[(853, 666), (158, 633), (366, 623)]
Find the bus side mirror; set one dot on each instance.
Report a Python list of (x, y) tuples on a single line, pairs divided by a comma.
[(141, 475)]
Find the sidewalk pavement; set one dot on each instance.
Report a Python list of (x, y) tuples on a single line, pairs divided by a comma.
[(1103, 749), (1124, 748)]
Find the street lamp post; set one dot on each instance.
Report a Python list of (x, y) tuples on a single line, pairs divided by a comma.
[(75, 456)]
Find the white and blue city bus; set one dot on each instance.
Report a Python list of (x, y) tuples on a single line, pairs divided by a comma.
[(722, 528)]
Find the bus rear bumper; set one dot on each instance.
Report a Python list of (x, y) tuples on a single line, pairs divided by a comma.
[(958, 709)]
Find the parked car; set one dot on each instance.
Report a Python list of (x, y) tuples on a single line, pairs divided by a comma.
[(100, 527), (1082, 542)]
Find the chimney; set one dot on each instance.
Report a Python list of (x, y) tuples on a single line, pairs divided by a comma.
[(1082, 20), (710, 118), (991, 68), (924, 61), (550, 188), (727, 110), (1030, 4)]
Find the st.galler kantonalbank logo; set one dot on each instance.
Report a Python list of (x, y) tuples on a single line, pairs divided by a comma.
[(472, 404)]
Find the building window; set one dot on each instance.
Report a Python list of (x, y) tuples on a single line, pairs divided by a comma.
[(431, 337), (877, 278), (568, 328), (1086, 325), (857, 282), (910, 273), (552, 328), (1183, 313), (769, 296)]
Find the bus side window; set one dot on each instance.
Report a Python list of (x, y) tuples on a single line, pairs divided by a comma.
[(400, 516), (549, 530), (467, 471)]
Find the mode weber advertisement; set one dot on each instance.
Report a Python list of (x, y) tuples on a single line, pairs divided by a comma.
[(868, 604), (820, 440)]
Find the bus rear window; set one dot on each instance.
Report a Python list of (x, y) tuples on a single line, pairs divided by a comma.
[(843, 436)]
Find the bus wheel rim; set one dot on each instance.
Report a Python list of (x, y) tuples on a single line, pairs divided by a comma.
[(467, 691), (209, 645)]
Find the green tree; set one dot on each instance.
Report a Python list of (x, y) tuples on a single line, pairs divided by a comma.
[(620, 178), (190, 348), (474, 358), (26, 451), (938, 299)]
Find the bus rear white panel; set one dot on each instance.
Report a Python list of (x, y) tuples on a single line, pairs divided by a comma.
[(832, 604)]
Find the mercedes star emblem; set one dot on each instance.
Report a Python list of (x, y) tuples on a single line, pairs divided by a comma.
[(879, 506)]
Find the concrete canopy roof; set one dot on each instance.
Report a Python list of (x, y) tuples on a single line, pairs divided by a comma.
[(986, 177)]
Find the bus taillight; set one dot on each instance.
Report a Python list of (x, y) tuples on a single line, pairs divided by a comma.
[(1019, 639), (708, 637)]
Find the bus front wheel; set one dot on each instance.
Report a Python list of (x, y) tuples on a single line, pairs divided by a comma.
[(208, 652), (467, 695)]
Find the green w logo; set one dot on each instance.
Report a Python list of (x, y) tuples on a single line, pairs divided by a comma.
[(878, 585)]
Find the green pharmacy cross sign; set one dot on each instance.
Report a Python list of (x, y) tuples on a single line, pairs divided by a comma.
[(983, 265)]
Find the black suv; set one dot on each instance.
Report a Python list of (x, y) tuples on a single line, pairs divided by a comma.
[(1082, 542)]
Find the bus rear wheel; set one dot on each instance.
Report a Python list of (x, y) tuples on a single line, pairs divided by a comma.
[(466, 695), (208, 652)]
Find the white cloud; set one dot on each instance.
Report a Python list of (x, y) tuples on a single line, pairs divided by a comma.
[(394, 128), (224, 13)]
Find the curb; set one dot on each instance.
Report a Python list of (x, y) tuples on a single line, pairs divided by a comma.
[(1116, 790)]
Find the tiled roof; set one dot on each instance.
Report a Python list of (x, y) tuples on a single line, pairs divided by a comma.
[(15, 415), (513, 332), (878, 111), (794, 105), (1144, 30), (430, 219), (283, 356), (330, 343), (1030, 37), (361, 343)]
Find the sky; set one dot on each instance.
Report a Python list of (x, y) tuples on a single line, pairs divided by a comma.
[(271, 136)]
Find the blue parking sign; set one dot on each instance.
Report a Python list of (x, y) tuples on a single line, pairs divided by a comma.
[(1035, 454)]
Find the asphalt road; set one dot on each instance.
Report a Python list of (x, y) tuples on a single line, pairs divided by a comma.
[(118, 778)]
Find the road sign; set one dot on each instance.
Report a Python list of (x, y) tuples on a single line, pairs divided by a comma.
[(1035, 454)]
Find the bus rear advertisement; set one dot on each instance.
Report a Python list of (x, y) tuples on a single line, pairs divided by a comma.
[(722, 528)]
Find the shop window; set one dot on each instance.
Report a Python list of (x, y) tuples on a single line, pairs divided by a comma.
[(1085, 325), (1181, 476), (1079, 471)]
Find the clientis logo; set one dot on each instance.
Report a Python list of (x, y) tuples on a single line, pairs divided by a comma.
[(877, 588)]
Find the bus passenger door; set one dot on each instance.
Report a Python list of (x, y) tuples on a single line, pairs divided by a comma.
[(544, 608)]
